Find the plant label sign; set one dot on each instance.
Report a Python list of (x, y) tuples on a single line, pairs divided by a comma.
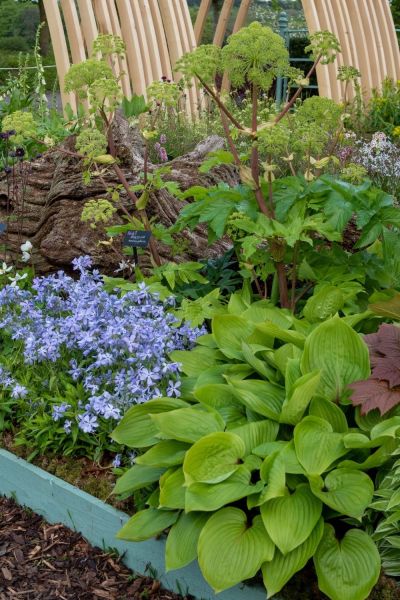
[(137, 239), (3, 227)]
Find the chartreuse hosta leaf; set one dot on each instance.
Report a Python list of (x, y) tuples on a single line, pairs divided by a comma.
[(211, 497), (349, 568), (325, 409), (194, 362), (213, 458), (262, 397), (257, 433), (230, 549), (273, 475), (172, 492), (290, 519), (341, 355), (348, 491), (136, 429), (181, 545), (146, 524), (164, 454), (317, 445), (300, 397), (229, 332), (136, 478), (278, 571), (187, 424)]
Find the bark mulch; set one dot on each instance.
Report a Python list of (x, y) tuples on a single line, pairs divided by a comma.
[(39, 561)]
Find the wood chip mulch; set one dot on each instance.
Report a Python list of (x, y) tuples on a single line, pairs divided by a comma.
[(39, 561)]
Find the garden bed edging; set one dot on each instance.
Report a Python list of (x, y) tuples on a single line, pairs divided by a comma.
[(61, 502)]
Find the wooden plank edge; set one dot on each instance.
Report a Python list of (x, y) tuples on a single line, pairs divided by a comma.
[(60, 502)]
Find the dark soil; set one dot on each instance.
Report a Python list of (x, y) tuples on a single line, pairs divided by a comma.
[(39, 561)]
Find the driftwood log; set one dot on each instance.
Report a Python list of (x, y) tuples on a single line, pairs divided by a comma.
[(48, 211)]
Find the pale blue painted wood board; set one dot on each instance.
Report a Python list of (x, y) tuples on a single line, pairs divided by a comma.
[(60, 502)]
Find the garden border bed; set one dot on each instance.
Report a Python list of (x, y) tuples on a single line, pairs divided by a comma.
[(61, 502)]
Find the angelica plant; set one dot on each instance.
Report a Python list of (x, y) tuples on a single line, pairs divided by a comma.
[(93, 80), (254, 57)]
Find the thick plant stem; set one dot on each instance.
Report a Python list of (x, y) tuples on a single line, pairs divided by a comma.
[(283, 286), (255, 169)]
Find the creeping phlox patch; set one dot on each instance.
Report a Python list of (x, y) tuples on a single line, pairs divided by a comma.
[(116, 348)]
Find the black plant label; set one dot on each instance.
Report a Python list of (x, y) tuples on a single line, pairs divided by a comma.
[(137, 239)]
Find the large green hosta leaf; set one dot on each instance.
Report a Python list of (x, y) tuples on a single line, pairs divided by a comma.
[(290, 520), (347, 569), (281, 568), (213, 458), (136, 478), (348, 491), (257, 433), (146, 524), (164, 454), (229, 332), (210, 497), (181, 545), (136, 429), (300, 397), (341, 355), (325, 409), (231, 550), (194, 362), (172, 490), (188, 424), (317, 445), (262, 397)]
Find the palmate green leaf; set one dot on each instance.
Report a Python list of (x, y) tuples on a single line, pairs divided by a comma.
[(164, 454), (348, 491), (341, 355), (231, 550), (136, 429), (146, 524), (172, 492), (289, 520), (278, 571), (229, 332), (187, 424), (329, 411), (211, 497), (347, 569), (213, 458), (181, 545), (262, 397), (257, 433), (301, 394), (136, 478), (317, 445)]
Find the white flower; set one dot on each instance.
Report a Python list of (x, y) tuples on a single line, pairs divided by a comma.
[(26, 246), (4, 269), (17, 278), (25, 256)]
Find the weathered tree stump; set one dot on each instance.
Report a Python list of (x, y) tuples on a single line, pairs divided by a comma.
[(50, 214)]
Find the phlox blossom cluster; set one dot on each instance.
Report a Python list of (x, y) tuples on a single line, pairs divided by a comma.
[(379, 156), (115, 346)]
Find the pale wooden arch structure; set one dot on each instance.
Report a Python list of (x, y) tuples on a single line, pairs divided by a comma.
[(158, 32), (365, 29)]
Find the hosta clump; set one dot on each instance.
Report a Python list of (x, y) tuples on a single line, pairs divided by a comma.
[(260, 464), (85, 356)]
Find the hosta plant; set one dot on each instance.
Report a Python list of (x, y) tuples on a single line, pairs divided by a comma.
[(262, 462)]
